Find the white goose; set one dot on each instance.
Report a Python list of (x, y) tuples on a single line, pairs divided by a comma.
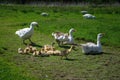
[(88, 16), (92, 47), (44, 14), (26, 33), (84, 12), (65, 38)]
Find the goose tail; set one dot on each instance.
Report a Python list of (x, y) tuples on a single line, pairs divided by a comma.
[(53, 33), (17, 32)]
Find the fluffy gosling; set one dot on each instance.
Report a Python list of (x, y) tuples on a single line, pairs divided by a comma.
[(36, 53), (20, 51), (57, 52), (26, 50)]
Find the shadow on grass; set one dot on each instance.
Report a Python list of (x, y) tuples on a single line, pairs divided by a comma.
[(35, 45), (99, 53), (65, 47), (106, 53), (3, 49), (68, 59)]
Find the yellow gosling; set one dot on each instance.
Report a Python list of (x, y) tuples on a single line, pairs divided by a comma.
[(36, 53), (57, 52), (26, 50)]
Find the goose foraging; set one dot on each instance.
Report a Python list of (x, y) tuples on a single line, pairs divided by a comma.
[(26, 33), (92, 48)]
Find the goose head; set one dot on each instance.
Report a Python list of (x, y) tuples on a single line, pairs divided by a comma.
[(34, 24), (71, 30), (100, 35)]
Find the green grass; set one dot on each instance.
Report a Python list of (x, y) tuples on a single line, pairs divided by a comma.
[(14, 66)]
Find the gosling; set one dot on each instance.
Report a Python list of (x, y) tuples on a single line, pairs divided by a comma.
[(26, 50), (65, 52), (20, 51), (36, 53), (32, 49)]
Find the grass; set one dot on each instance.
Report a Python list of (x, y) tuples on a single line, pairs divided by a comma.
[(14, 66)]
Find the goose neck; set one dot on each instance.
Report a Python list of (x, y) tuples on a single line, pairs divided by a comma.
[(70, 33), (31, 26), (98, 41)]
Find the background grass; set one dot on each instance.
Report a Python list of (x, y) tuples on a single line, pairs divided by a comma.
[(14, 66)]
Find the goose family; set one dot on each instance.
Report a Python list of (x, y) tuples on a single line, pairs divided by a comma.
[(92, 47), (64, 38), (26, 33), (61, 38)]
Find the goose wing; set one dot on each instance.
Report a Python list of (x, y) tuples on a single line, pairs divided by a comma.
[(60, 35), (90, 44), (22, 32)]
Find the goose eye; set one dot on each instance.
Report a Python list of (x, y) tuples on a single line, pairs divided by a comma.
[(100, 35)]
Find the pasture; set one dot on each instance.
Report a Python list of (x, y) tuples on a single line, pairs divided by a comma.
[(14, 66)]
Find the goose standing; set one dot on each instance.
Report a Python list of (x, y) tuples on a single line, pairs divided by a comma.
[(26, 33), (66, 38), (92, 47)]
